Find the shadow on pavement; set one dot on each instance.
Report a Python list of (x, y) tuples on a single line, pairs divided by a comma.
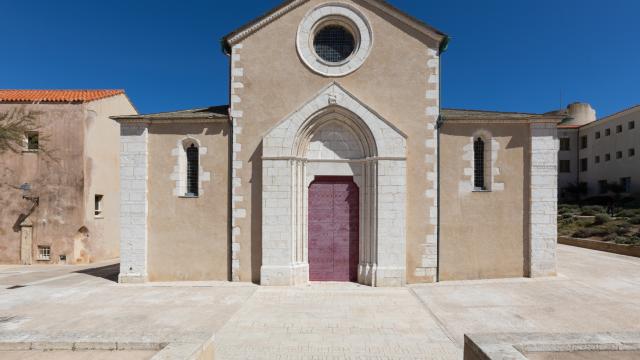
[(109, 272)]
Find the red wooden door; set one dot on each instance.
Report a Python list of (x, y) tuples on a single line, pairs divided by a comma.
[(333, 229)]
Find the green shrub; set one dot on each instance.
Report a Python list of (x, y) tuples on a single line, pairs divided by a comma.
[(567, 220), (601, 219), (623, 229), (628, 213), (613, 238), (568, 209), (604, 229), (623, 240), (593, 210), (584, 233), (635, 220)]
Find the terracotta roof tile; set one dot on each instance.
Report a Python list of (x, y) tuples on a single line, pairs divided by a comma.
[(59, 96)]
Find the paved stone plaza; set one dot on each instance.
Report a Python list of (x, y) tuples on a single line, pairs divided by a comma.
[(595, 292)]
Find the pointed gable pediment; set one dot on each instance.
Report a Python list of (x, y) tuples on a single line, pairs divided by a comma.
[(287, 6)]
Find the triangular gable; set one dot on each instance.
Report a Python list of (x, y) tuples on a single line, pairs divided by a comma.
[(243, 32)]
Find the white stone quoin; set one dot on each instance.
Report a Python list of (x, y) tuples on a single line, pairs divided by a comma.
[(133, 202), (543, 200), (334, 134)]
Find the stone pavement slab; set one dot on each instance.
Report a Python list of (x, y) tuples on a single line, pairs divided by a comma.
[(594, 292), (74, 306), (333, 321), (12, 275), (76, 355)]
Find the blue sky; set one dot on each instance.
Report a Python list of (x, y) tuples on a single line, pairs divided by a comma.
[(505, 55)]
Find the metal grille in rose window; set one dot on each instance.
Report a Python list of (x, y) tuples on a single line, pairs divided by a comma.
[(334, 43)]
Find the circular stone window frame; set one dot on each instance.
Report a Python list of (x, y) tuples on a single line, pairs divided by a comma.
[(334, 14)]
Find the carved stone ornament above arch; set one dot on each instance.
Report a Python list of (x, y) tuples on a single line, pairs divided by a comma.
[(333, 102)]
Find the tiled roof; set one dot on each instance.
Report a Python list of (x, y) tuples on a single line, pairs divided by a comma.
[(479, 114), (57, 96), (212, 112)]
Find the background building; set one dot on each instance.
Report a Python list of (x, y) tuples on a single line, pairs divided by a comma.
[(72, 214), (598, 152)]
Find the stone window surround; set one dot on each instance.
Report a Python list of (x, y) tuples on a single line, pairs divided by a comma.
[(380, 175), (179, 174), (345, 14), (491, 150)]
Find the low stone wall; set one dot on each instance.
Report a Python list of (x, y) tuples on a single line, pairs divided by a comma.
[(191, 348), (516, 346), (629, 250)]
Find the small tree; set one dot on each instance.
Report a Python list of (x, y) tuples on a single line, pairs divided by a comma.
[(14, 125), (617, 190)]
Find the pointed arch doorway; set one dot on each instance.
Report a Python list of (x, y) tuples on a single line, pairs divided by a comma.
[(335, 135)]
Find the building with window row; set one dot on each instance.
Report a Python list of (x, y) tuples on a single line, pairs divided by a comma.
[(60, 190), (598, 153), (334, 161)]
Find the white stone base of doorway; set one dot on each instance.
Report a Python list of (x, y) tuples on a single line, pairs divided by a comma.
[(368, 274), (132, 278), (292, 275)]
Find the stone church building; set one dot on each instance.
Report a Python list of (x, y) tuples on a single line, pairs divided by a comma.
[(335, 162)]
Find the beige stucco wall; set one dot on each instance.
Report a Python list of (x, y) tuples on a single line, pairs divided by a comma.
[(393, 81), (483, 234), (57, 178), (188, 237), (102, 177), (81, 159)]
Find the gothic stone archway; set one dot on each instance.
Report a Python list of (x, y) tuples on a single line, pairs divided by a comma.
[(334, 135)]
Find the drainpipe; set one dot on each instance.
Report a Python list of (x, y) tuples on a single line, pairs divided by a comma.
[(443, 47)]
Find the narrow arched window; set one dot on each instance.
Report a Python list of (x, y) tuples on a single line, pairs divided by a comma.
[(192, 170), (478, 164)]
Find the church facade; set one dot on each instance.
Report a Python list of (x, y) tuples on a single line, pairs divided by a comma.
[(334, 161)]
